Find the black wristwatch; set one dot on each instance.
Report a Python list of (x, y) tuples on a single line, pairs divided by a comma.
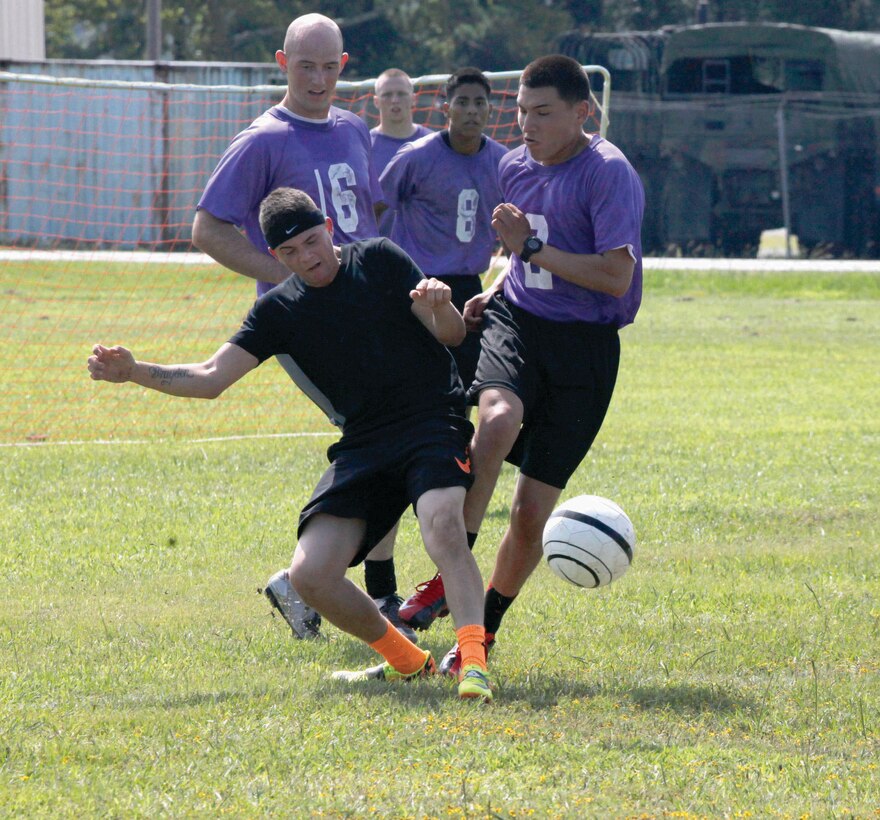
[(530, 247)]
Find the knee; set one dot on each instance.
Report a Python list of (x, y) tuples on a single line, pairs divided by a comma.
[(443, 523), (498, 426), (305, 581)]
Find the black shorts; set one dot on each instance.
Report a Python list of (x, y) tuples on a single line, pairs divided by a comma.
[(377, 479), (468, 352), (564, 374)]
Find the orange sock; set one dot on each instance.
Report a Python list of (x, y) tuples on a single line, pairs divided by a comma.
[(472, 645), (401, 653)]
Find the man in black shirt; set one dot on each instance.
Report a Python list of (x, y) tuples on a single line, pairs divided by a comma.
[(367, 331)]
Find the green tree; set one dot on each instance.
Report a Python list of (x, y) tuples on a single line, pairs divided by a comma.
[(421, 36), (212, 30)]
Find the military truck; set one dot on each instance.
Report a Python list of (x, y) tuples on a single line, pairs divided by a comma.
[(741, 127)]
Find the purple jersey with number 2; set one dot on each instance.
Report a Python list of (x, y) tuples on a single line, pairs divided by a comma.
[(444, 202), (330, 161), (592, 203)]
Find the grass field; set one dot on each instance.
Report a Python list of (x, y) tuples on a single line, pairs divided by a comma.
[(734, 671)]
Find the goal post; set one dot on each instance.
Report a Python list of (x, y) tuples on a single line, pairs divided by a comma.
[(99, 179), (108, 164)]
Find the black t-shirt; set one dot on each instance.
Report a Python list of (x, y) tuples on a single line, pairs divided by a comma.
[(357, 341)]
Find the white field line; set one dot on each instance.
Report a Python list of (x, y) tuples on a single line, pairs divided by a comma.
[(764, 265), (649, 263), (212, 439), (16, 255)]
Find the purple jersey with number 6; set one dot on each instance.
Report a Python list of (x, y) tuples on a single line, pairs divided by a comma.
[(329, 160), (592, 203), (444, 202)]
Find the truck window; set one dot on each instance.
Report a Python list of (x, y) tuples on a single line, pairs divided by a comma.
[(744, 75)]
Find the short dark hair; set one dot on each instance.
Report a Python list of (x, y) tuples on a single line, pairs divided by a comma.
[(462, 76), (284, 206), (559, 72)]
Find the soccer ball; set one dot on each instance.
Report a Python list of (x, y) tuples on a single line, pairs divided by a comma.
[(589, 541)]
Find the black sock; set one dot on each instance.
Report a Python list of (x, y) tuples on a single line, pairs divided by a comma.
[(494, 608), (379, 578), (472, 539)]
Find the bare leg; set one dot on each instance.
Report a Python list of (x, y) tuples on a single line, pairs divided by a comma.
[(318, 570), (500, 417), (520, 550), (442, 527)]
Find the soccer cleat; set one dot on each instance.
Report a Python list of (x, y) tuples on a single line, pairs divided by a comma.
[(475, 683), (426, 604), (301, 618), (451, 663), (389, 606), (385, 671)]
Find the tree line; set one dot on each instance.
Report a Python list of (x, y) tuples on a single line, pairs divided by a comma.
[(421, 36)]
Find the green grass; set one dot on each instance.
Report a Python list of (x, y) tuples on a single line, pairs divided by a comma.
[(733, 671)]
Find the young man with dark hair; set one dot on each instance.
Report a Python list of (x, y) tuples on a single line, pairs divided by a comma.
[(443, 189), (571, 218), (361, 323)]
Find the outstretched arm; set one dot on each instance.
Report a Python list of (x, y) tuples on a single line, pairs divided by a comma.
[(432, 305), (198, 381)]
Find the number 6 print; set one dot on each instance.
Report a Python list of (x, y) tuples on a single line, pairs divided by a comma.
[(344, 199)]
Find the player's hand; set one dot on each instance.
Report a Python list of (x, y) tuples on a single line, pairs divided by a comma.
[(512, 226), (111, 364), (473, 310), (431, 293)]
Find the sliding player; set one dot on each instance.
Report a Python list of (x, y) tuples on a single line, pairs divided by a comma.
[(362, 323)]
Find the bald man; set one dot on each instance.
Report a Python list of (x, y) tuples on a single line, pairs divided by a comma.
[(304, 142)]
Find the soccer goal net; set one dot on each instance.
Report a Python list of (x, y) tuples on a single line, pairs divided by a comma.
[(98, 185)]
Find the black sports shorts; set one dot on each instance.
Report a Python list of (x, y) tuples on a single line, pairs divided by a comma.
[(377, 479), (468, 352), (564, 374)]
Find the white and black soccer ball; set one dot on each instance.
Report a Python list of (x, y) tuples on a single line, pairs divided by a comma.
[(589, 541)]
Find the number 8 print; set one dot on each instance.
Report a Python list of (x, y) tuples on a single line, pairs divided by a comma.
[(466, 223)]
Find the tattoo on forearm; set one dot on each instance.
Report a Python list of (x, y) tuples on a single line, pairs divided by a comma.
[(166, 375)]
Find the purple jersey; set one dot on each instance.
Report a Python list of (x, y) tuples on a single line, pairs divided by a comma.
[(592, 203), (330, 161), (385, 147), (444, 202)]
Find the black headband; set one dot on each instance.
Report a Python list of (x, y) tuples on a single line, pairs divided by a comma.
[(287, 226)]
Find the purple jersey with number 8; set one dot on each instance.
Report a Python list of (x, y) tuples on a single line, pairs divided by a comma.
[(444, 202), (591, 203)]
